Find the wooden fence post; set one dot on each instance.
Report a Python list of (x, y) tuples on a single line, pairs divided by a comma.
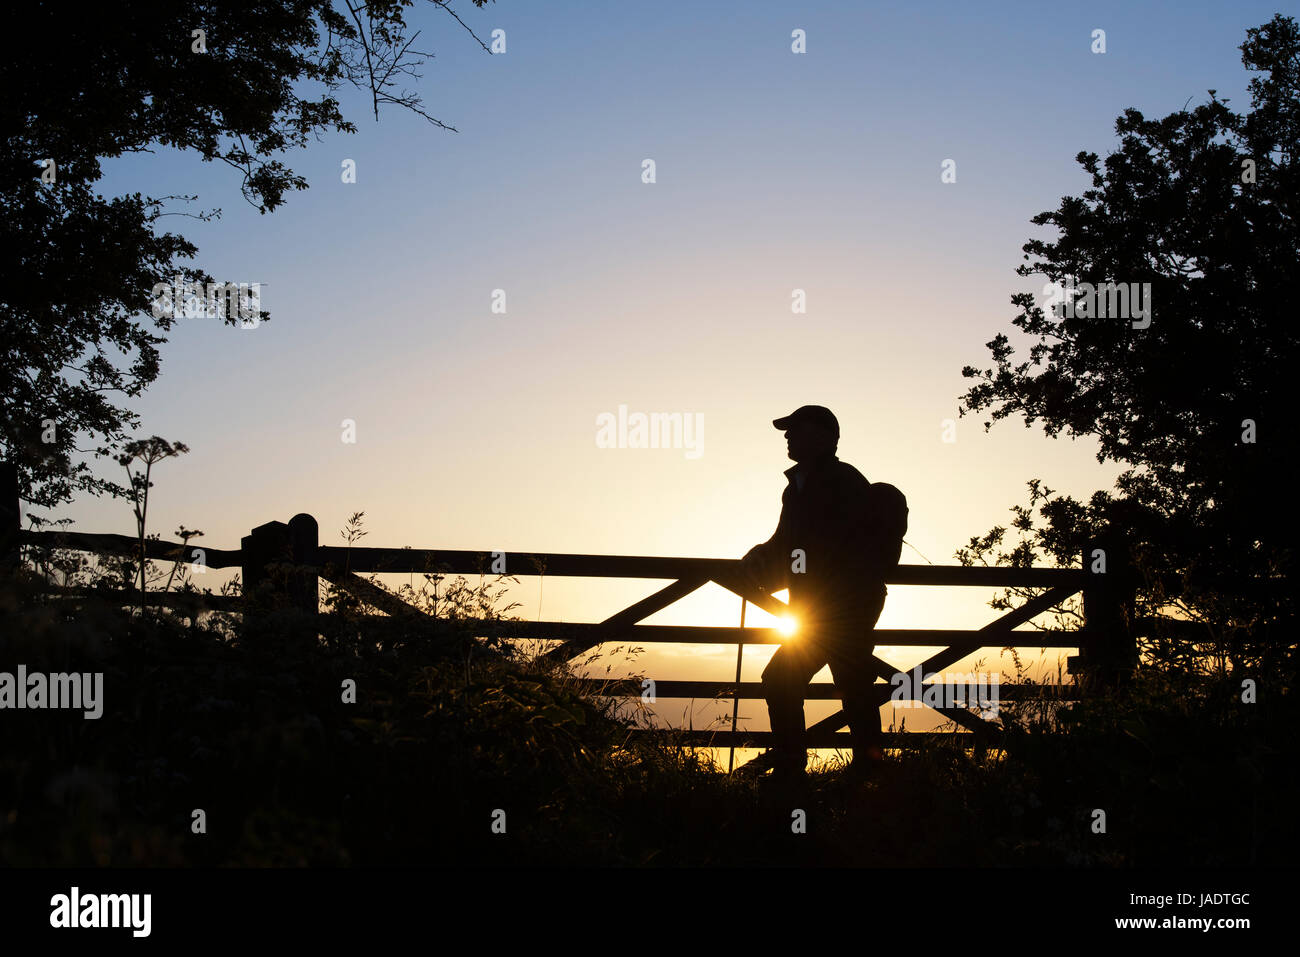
[(1108, 610), (303, 585), (261, 548), (280, 572), (10, 519)]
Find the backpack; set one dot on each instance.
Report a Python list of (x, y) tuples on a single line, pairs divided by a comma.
[(887, 507)]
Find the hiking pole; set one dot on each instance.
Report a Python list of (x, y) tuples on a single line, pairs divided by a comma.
[(735, 702)]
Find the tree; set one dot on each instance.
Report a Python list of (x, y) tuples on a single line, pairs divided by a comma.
[(1198, 404), (231, 81)]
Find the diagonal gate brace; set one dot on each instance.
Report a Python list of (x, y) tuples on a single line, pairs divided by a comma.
[(609, 628), (1030, 609)]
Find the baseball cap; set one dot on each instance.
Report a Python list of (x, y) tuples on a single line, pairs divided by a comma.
[(810, 415)]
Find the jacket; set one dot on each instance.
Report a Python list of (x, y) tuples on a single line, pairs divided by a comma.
[(838, 580)]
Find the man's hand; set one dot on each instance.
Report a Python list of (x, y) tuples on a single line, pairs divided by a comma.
[(751, 568)]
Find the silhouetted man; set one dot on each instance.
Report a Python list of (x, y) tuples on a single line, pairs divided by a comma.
[(837, 538)]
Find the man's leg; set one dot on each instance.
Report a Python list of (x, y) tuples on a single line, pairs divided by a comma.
[(850, 653), (785, 679), (852, 672)]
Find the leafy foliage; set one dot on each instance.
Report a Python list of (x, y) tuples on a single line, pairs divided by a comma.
[(1173, 206), (85, 85)]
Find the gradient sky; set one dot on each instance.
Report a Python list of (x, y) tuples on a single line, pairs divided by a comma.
[(775, 171)]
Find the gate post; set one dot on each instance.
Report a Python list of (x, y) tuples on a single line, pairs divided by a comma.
[(263, 547), (280, 570), (1111, 653), (304, 542)]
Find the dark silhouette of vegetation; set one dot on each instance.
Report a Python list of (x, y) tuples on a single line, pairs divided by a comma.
[(84, 85), (1198, 405), (249, 724)]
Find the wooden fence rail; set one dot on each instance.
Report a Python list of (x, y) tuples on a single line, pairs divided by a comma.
[(284, 562)]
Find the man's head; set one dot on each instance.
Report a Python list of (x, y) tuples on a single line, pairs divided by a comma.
[(811, 432)]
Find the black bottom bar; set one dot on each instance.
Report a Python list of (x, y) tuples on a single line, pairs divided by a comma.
[(297, 907)]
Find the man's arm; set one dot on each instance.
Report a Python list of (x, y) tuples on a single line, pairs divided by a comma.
[(767, 565)]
